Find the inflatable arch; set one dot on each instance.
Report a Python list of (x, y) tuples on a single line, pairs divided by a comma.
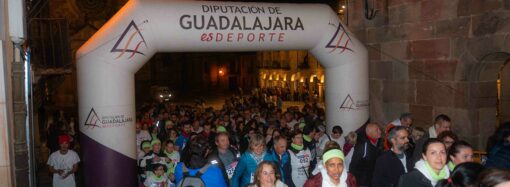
[(107, 62)]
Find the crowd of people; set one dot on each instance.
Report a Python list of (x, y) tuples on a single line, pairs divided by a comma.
[(252, 141), (304, 93)]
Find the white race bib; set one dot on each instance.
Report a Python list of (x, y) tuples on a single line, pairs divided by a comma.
[(230, 169)]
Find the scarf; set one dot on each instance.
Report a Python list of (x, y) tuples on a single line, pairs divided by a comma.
[(372, 140), (424, 167), (307, 138), (257, 158), (451, 166), (297, 147)]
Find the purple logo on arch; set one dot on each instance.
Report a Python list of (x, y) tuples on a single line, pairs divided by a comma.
[(106, 121), (340, 40), (133, 30), (92, 119), (350, 104)]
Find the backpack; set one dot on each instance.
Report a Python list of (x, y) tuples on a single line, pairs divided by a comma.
[(193, 181)]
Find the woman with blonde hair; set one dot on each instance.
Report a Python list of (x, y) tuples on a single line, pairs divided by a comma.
[(245, 169), (266, 175)]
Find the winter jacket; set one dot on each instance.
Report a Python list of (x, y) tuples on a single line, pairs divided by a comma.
[(214, 158), (211, 177), (499, 156), (363, 161), (316, 181), (420, 177), (283, 164), (415, 179), (245, 170), (388, 169), (181, 141)]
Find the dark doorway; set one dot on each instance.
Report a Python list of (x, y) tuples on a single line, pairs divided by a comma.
[(232, 83)]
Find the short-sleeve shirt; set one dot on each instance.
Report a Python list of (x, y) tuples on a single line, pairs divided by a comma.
[(65, 162)]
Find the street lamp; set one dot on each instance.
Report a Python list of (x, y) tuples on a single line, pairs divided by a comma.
[(221, 72)]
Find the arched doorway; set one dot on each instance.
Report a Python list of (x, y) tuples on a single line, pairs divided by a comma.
[(503, 111)]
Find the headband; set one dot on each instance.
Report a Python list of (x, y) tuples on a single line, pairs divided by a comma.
[(333, 153)]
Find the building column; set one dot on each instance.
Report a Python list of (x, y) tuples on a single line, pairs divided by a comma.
[(21, 154), (321, 92), (5, 120)]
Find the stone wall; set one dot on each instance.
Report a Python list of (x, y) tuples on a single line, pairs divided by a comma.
[(434, 56)]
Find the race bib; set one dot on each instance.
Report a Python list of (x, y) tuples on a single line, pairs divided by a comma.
[(304, 159), (230, 169)]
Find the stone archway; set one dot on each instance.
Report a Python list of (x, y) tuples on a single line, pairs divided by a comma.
[(483, 93), (503, 86)]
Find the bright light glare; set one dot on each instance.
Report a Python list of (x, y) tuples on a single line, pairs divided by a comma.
[(161, 96)]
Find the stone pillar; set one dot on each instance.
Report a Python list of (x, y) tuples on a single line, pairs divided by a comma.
[(5, 120), (21, 157), (321, 92)]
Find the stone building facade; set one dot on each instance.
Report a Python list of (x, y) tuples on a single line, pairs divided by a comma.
[(296, 71), (430, 57)]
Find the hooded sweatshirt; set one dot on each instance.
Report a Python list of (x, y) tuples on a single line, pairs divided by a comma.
[(421, 166), (326, 180)]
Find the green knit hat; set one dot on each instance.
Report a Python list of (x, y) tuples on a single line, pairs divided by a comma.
[(155, 141), (221, 129), (146, 145)]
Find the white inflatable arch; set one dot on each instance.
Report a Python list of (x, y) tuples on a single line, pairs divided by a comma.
[(107, 63)]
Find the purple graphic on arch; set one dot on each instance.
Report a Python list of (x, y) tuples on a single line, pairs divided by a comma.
[(103, 166)]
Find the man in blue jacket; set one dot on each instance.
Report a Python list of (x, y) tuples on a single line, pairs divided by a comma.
[(280, 156)]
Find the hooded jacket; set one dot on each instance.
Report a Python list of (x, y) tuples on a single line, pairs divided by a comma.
[(420, 176), (283, 164), (346, 180), (245, 170), (363, 160), (214, 158), (389, 168)]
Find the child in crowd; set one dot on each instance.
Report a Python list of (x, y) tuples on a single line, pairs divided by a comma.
[(158, 178)]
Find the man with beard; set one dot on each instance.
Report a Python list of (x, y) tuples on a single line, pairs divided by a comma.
[(395, 162), (184, 137)]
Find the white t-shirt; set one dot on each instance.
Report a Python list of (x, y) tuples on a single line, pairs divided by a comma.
[(300, 163), (141, 136), (153, 181), (64, 162)]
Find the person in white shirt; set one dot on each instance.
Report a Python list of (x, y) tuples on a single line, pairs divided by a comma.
[(141, 135), (63, 164)]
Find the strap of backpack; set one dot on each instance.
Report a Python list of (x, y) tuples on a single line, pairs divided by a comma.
[(185, 170), (203, 170)]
